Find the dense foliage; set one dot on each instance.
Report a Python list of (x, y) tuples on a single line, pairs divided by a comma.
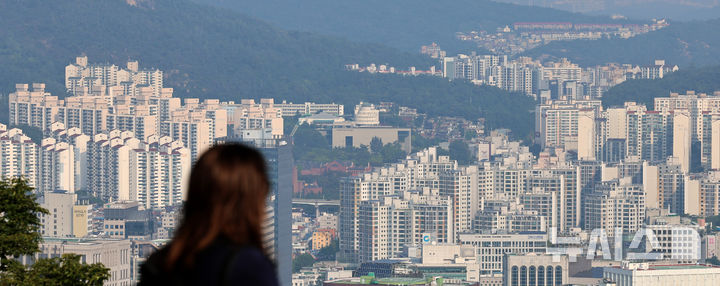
[(65, 270), (310, 145), (684, 44), (414, 22), (644, 91), (215, 53), (20, 235), (302, 260), (19, 221)]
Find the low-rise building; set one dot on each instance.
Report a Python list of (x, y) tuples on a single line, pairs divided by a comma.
[(535, 269), (644, 274), (113, 254), (355, 136)]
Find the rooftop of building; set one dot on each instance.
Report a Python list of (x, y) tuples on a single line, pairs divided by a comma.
[(670, 267), (379, 281)]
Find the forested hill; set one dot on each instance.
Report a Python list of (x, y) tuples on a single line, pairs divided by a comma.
[(691, 43), (204, 49), (644, 91), (208, 52), (404, 24)]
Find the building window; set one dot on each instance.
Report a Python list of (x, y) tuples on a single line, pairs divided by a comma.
[(523, 275), (541, 276), (549, 275), (558, 275), (514, 276), (533, 277)]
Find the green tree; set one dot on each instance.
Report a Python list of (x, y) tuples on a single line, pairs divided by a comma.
[(19, 235), (376, 145), (713, 260), (302, 260), (19, 222), (392, 153), (460, 151), (65, 270), (328, 252)]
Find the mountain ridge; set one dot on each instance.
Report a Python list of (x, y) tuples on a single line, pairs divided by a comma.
[(208, 52)]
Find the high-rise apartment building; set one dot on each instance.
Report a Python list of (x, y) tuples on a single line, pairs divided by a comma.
[(615, 204), (56, 166), (82, 77), (18, 155), (556, 124), (153, 172), (419, 171), (387, 226)]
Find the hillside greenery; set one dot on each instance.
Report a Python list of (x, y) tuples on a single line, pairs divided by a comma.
[(703, 80), (404, 24), (685, 44), (208, 52), (20, 235)]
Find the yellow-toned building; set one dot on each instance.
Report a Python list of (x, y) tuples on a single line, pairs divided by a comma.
[(321, 239), (81, 220)]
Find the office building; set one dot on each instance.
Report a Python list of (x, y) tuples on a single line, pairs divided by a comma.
[(644, 274), (278, 221), (366, 115), (127, 220), (82, 220), (113, 254), (357, 136), (59, 220), (492, 248), (535, 269)]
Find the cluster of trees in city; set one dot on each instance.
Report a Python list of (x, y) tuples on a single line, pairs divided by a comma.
[(324, 254), (20, 236), (311, 145), (682, 43), (703, 79), (208, 52)]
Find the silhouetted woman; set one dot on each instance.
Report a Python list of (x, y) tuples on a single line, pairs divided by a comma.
[(220, 239)]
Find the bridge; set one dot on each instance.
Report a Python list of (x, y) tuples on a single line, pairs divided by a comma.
[(316, 203)]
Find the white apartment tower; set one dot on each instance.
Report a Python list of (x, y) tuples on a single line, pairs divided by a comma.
[(388, 226), (56, 166), (615, 204), (18, 155)]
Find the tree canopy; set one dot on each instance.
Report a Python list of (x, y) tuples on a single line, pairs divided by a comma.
[(20, 235), (19, 221), (644, 91), (64, 270)]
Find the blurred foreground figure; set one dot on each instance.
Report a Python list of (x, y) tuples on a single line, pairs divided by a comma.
[(220, 239)]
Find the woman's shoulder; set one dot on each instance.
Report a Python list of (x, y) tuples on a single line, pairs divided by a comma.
[(251, 264)]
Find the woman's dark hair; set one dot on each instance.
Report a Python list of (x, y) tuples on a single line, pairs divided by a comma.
[(226, 197)]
